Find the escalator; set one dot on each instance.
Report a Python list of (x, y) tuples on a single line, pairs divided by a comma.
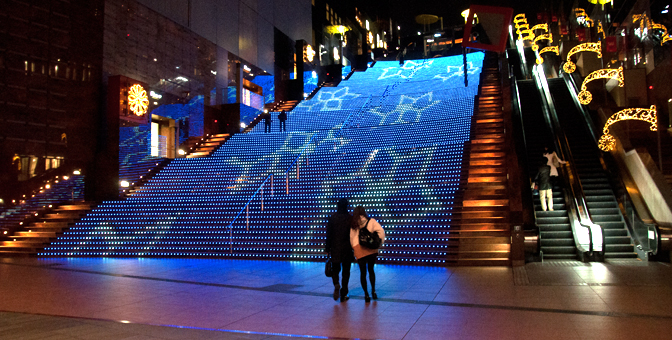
[(599, 195), (557, 239)]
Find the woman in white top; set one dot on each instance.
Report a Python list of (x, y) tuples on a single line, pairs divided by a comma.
[(553, 161), (365, 257)]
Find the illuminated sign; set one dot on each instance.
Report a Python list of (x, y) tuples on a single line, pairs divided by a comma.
[(308, 53), (137, 100), (607, 142)]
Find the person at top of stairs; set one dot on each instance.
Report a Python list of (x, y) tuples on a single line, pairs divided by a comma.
[(267, 122), (282, 117)]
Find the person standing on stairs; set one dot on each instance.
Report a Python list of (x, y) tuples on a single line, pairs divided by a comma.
[(267, 122), (338, 247), (553, 161), (543, 180), (282, 117), (366, 258)]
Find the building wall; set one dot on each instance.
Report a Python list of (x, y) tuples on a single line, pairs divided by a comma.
[(50, 71), (243, 27)]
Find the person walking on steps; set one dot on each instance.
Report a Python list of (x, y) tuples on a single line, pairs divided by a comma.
[(282, 117), (543, 180), (553, 161), (338, 247), (366, 258), (267, 122)]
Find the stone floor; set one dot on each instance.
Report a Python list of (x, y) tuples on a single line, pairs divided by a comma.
[(236, 299)]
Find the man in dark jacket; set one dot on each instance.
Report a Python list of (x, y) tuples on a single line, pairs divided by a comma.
[(267, 122), (282, 117), (338, 246)]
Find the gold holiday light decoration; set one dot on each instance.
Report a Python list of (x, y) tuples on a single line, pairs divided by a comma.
[(607, 73), (569, 66), (526, 35), (581, 13), (607, 142), (521, 28), (547, 36), (666, 37), (137, 100), (554, 49), (600, 30), (540, 27)]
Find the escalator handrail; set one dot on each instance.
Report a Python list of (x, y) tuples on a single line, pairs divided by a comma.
[(533, 235), (571, 83), (577, 195)]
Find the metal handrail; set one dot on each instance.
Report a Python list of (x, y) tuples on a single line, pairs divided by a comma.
[(286, 173), (577, 197)]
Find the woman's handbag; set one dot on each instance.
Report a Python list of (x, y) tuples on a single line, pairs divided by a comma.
[(328, 268), (369, 239)]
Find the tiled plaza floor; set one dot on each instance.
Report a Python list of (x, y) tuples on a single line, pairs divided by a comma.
[(236, 299)]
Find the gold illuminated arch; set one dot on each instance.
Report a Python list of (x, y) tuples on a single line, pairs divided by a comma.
[(554, 49), (608, 73), (580, 12), (526, 35), (540, 27), (547, 36), (607, 142), (521, 28), (569, 66), (666, 37), (137, 100)]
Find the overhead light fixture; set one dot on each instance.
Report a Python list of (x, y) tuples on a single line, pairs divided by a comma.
[(436, 35), (124, 184), (77, 172)]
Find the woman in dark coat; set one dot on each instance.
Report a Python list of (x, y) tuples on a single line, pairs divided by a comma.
[(338, 246)]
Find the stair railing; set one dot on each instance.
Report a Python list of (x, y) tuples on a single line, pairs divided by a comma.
[(589, 237), (270, 177)]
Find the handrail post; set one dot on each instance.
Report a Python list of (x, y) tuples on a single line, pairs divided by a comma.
[(247, 217), (297, 169), (271, 184), (287, 183), (231, 239), (262, 197)]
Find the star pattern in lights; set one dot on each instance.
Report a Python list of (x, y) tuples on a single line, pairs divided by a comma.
[(458, 71)]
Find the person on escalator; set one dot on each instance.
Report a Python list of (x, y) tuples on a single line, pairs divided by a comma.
[(543, 181), (553, 161)]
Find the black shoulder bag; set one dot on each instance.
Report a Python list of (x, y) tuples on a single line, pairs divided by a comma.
[(369, 239)]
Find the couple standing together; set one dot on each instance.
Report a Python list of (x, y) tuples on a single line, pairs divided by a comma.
[(343, 246)]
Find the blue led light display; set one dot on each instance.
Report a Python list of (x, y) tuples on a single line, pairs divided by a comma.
[(390, 138)]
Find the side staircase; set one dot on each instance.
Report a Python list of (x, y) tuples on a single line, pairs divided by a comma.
[(209, 144), (38, 233), (484, 236)]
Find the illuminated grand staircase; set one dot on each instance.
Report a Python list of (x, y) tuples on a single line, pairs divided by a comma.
[(391, 139)]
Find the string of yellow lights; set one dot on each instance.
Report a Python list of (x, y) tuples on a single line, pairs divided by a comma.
[(586, 97), (569, 66), (607, 142)]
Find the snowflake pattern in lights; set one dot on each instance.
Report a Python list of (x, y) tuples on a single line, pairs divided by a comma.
[(458, 71)]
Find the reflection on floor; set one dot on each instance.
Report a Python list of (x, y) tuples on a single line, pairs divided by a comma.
[(231, 299)]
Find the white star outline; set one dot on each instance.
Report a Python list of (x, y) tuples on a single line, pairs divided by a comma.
[(406, 104), (454, 71), (373, 190), (408, 66), (329, 101)]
